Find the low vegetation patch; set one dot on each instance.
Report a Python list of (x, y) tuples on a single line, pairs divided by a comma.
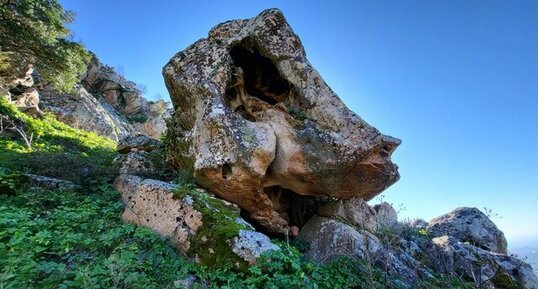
[(56, 150)]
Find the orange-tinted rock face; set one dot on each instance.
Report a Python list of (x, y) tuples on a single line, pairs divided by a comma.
[(259, 127)]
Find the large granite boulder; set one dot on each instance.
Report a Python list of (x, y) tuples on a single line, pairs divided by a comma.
[(472, 226), (203, 227), (257, 125)]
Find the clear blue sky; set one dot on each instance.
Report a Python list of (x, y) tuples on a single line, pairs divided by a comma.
[(457, 81)]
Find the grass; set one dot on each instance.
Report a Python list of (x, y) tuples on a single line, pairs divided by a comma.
[(57, 150), (75, 238)]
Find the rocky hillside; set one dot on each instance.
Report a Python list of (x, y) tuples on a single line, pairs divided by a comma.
[(103, 102), (261, 181)]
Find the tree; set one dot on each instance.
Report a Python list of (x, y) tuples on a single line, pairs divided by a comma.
[(34, 32)]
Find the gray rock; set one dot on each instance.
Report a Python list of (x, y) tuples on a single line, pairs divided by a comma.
[(486, 268), (137, 142), (136, 163), (249, 245), (472, 226), (27, 100), (48, 182), (182, 218), (122, 94), (186, 283), (83, 111), (358, 213), (330, 239), (253, 116)]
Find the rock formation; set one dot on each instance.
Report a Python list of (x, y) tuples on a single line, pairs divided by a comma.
[(258, 126), (205, 228), (472, 226), (104, 102), (415, 252)]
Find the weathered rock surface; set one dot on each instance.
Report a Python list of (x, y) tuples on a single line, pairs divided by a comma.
[(82, 110), (27, 100), (136, 163), (47, 182), (330, 239), (257, 124), (137, 142), (203, 227), (412, 251), (472, 226), (486, 268), (358, 213)]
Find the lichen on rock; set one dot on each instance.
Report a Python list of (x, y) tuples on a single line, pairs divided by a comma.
[(203, 227), (258, 126)]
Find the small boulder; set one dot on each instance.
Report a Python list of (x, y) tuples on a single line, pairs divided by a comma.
[(472, 226), (203, 227), (330, 239), (136, 163), (27, 100), (48, 182), (137, 142), (358, 213)]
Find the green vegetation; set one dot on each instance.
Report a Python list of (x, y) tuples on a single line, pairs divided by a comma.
[(35, 32), (219, 226), (74, 238), (56, 150), (298, 114)]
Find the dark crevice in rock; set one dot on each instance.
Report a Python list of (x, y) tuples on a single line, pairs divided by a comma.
[(294, 208), (226, 171), (261, 77), (256, 84)]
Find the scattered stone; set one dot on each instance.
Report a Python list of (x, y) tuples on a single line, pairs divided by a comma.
[(185, 283), (47, 182), (257, 124), (139, 142), (472, 226), (249, 245)]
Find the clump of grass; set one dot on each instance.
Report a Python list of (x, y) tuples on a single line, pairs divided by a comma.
[(57, 150)]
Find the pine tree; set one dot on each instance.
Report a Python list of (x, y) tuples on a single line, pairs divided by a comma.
[(34, 32)]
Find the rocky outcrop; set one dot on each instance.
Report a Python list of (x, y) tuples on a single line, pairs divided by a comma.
[(19, 91), (82, 110), (472, 226), (411, 252), (203, 227), (257, 124), (104, 102), (122, 94), (486, 268)]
